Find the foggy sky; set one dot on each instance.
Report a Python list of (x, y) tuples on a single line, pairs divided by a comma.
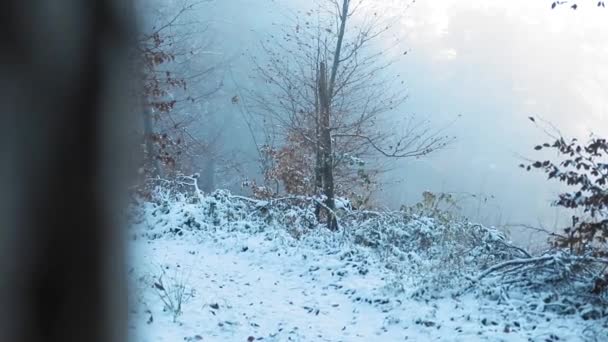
[(496, 65), (480, 67)]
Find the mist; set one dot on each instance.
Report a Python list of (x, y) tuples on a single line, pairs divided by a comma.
[(476, 70), (296, 170), (493, 66), (313, 170)]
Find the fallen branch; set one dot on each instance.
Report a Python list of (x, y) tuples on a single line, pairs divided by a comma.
[(512, 263)]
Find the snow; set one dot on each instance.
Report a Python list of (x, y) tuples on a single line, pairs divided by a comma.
[(260, 282)]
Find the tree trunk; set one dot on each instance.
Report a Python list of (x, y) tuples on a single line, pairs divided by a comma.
[(208, 176), (318, 185), (64, 82), (318, 174), (150, 153), (326, 93), (326, 148), (336, 63)]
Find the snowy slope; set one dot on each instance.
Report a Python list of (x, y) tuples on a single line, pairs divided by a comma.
[(262, 284)]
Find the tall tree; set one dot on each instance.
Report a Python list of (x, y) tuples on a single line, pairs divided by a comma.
[(328, 91)]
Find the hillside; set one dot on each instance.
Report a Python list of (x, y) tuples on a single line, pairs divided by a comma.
[(251, 270)]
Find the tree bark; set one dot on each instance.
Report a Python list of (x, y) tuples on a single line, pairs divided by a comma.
[(326, 148), (318, 168), (208, 176), (336, 63), (318, 185), (150, 151), (326, 93)]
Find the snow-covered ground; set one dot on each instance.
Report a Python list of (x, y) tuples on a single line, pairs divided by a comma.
[(264, 285)]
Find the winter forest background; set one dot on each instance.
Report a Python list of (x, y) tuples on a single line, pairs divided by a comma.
[(477, 85), (467, 134)]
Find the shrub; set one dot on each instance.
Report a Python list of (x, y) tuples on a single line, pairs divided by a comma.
[(173, 292), (584, 168)]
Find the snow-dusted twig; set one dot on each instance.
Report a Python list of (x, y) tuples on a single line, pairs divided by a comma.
[(514, 262), (173, 293), (290, 198)]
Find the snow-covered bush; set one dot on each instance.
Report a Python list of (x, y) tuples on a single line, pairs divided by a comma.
[(576, 268), (436, 252), (433, 252), (177, 210), (556, 281)]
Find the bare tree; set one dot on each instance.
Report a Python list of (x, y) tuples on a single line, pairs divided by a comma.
[(176, 78), (328, 91)]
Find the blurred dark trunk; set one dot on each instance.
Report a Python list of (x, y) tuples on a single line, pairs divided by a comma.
[(62, 71)]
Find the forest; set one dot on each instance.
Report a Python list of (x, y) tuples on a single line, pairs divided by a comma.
[(304, 170), (368, 170)]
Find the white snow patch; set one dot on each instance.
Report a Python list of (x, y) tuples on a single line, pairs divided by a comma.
[(260, 282)]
